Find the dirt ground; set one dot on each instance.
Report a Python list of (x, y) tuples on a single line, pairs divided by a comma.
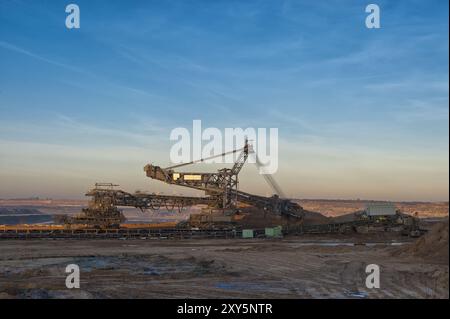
[(293, 267)]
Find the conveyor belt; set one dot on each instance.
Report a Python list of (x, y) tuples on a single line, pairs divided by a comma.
[(175, 233), (122, 234)]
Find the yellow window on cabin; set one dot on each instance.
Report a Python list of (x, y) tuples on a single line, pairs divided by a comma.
[(192, 177)]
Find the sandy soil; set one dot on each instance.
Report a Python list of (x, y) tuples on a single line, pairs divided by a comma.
[(294, 267), (433, 245)]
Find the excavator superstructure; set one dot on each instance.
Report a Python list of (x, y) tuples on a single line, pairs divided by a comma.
[(222, 186), (222, 196)]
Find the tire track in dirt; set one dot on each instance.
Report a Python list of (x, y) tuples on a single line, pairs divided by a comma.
[(219, 269)]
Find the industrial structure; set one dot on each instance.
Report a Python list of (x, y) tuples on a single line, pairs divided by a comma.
[(221, 187), (225, 207), (222, 197)]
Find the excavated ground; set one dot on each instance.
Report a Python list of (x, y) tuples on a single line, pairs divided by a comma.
[(294, 267)]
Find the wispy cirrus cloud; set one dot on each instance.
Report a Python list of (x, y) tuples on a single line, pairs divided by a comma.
[(16, 49)]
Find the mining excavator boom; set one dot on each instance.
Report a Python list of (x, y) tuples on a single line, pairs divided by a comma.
[(222, 186)]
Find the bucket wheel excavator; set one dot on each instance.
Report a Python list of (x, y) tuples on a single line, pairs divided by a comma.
[(222, 197)]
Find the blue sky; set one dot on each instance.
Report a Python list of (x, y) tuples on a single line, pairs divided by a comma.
[(361, 113)]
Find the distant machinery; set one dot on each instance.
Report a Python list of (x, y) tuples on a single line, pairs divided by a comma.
[(380, 209), (385, 214)]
